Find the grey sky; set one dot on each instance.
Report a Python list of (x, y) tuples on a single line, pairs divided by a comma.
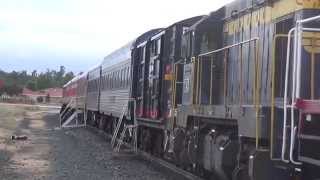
[(40, 34)]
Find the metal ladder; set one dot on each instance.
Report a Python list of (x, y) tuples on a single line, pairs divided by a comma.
[(132, 129), (297, 34), (66, 113), (69, 115)]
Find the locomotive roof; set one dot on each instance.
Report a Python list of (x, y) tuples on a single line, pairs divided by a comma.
[(212, 17), (145, 36), (190, 20), (186, 22)]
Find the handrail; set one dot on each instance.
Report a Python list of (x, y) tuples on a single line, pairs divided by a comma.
[(273, 94), (297, 76), (230, 46), (256, 80), (284, 130), (296, 83)]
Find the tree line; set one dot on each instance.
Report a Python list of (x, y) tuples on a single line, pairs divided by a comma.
[(13, 82)]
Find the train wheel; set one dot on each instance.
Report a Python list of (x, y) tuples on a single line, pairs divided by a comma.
[(179, 146)]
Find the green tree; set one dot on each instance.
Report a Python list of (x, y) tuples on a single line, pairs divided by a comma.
[(15, 81), (67, 78), (32, 85)]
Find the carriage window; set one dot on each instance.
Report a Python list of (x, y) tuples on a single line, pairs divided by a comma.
[(122, 77), (158, 46), (117, 79), (143, 53), (129, 75), (107, 79), (127, 79), (102, 82), (111, 81), (119, 76), (156, 68), (120, 80), (108, 85), (105, 82), (114, 80)]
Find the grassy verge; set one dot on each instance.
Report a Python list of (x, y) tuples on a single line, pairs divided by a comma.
[(10, 116)]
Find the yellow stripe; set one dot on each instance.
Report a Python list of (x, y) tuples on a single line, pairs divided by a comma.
[(270, 13)]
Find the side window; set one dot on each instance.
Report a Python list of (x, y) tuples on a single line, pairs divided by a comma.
[(184, 29), (143, 53), (108, 81), (121, 78), (105, 82), (158, 46), (123, 72), (153, 47), (102, 83), (128, 76), (117, 79), (112, 80)]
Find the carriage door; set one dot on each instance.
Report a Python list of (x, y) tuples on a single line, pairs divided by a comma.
[(154, 78), (141, 81)]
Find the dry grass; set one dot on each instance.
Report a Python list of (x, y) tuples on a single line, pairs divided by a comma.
[(10, 116)]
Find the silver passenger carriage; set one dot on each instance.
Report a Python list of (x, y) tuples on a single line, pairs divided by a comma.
[(115, 81), (93, 89)]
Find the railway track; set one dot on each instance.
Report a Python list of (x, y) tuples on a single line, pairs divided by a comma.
[(146, 156)]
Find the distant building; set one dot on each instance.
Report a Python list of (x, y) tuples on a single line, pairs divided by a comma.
[(52, 95)]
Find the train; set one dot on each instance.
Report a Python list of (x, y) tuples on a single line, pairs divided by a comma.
[(232, 95)]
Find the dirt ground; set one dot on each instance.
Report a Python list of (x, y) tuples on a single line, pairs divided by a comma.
[(51, 153)]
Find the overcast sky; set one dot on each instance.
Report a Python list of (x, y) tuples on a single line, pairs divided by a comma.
[(41, 34)]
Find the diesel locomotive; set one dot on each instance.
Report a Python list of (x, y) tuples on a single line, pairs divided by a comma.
[(233, 95)]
